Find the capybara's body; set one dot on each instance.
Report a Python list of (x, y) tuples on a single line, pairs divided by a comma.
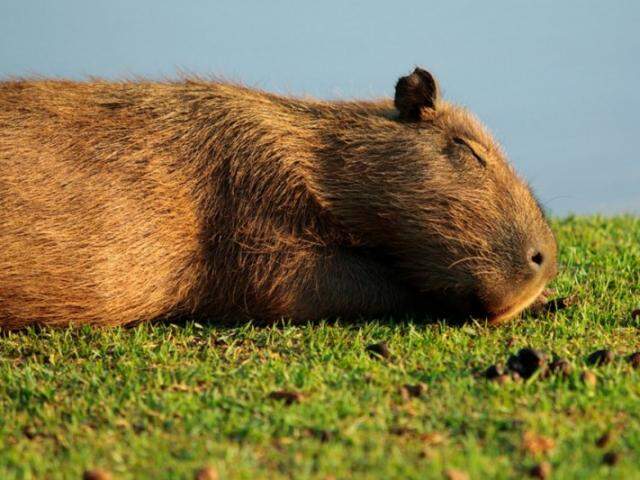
[(131, 201)]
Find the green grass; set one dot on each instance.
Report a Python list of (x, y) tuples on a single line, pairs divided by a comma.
[(159, 401)]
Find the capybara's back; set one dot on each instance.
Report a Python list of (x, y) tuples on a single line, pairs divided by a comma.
[(129, 201)]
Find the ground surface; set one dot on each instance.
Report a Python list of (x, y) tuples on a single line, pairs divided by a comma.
[(160, 401)]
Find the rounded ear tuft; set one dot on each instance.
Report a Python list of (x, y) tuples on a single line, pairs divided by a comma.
[(415, 92)]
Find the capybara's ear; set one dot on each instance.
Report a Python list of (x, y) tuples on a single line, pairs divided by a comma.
[(415, 92)]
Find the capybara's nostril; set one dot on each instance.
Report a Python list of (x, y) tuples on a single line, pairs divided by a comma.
[(536, 258)]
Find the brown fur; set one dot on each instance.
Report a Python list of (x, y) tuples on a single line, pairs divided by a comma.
[(131, 201)]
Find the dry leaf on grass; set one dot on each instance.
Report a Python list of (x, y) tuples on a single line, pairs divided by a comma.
[(537, 444), (455, 474)]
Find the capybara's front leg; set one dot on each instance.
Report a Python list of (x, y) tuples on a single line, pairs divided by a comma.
[(340, 283)]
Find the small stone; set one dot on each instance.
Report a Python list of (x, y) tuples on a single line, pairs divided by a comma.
[(207, 473), (561, 366), (527, 362), (497, 373), (603, 440), (539, 306), (589, 378), (433, 438), (601, 357), (568, 301), (542, 305), (96, 474), (288, 397), (404, 394), (455, 474), (611, 458), (412, 390), (634, 360), (493, 372), (379, 350), (425, 453), (542, 470), (30, 432), (401, 431), (324, 435)]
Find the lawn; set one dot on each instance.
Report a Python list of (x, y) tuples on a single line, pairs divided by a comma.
[(161, 401)]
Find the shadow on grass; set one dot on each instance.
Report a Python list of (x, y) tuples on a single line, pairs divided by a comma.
[(437, 315)]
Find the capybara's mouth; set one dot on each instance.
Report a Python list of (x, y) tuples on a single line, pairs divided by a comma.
[(513, 308)]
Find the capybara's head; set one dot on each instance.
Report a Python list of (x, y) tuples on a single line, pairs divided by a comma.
[(445, 202), (477, 236)]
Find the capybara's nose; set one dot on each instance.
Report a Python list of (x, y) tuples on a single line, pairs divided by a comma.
[(542, 261), (536, 258)]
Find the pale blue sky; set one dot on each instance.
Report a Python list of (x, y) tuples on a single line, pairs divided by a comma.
[(558, 82)]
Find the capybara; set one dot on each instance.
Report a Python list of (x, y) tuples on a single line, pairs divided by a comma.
[(129, 201)]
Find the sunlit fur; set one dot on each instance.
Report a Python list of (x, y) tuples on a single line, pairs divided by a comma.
[(123, 202)]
